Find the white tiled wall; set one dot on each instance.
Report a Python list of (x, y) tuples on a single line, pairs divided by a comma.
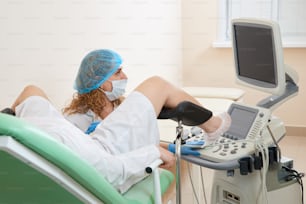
[(43, 41)]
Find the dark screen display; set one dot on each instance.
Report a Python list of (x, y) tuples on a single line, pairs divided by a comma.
[(242, 121), (255, 54)]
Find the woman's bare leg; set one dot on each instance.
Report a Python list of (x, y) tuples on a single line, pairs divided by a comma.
[(163, 94), (28, 91)]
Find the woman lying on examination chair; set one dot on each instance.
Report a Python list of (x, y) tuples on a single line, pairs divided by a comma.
[(127, 140), (100, 85)]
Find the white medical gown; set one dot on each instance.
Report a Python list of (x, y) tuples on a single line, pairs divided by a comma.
[(120, 148), (83, 120)]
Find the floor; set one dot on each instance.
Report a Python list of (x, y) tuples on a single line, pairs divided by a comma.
[(293, 147)]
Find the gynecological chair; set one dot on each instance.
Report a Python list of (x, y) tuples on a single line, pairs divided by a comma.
[(34, 168)]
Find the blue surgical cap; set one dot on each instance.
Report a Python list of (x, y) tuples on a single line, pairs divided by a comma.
[(96, 67)]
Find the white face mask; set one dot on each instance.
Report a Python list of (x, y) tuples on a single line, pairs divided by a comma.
[(118, 89)]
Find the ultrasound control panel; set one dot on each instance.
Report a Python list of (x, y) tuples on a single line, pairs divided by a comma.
[(249, 125)]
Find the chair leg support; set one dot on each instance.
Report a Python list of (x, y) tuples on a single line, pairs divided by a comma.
[(157, 190), (153, 168)]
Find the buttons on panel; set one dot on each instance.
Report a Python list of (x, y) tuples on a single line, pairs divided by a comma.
[(226, 149)]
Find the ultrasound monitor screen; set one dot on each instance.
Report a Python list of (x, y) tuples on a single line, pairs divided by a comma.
[(255, 54), (242, 120)]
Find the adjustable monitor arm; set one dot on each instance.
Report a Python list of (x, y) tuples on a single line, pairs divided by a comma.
[(291, 89)]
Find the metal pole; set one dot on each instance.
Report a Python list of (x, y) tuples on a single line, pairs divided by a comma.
[(179, 131)]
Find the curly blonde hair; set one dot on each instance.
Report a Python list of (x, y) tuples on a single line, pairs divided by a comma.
[(94, 100)]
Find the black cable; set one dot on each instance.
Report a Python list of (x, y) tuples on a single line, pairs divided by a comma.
[(298, 176)]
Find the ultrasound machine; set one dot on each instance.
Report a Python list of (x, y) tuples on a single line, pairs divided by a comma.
[(247, 161)]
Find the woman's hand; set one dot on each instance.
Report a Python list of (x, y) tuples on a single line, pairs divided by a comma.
[(167, 157)]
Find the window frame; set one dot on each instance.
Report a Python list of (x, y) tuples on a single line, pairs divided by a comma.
[(223, 39)]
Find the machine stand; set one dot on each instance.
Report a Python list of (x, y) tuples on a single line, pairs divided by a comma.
[(279, 187)]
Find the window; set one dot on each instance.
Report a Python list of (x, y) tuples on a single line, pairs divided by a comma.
[(290, 14)]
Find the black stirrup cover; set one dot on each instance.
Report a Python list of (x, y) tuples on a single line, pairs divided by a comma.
[(189, 113)]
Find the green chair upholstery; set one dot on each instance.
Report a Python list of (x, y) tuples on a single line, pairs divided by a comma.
[(35, 168)]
